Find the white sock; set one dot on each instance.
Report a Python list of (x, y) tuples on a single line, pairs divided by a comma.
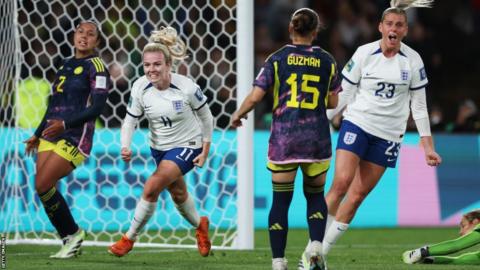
[(189, 212), (143, 212), (330, 219), (334, 232)]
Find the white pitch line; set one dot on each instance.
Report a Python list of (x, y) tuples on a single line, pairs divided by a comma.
[(159, 250)]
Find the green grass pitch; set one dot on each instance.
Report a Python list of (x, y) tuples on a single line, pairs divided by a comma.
[(367, 249)]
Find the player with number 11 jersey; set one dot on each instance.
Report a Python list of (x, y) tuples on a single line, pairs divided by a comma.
[(170, 112)]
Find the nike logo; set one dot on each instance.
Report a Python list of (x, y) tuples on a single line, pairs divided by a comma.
[(340, 229), (391, 159), (368, 74)]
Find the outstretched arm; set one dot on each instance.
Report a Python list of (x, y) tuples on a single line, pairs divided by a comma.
[(420, 115), (431, 157), (248, 104), (126, 133), (206, 123), (345, 97)]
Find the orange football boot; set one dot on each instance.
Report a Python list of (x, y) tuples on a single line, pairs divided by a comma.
[(203, 243), (121, 247)]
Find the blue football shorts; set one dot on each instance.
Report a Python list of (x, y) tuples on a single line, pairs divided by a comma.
[(367, 146), (182, 156)]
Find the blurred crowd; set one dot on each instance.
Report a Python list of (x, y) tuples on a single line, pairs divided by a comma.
[(446, 36)]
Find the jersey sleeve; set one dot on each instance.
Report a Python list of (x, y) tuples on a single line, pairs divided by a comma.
[(196, 97), (100, 84), (265, 77), (135, 103), (419, 75), (100, 81), (352, 71), (335, 81)]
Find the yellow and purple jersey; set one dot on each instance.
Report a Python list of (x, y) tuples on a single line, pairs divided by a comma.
[(78, 96), (301, 78)]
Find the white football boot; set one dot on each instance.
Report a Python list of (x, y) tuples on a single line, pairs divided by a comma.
[(71, 245), (314, 257), (279, 264), (415, 256)]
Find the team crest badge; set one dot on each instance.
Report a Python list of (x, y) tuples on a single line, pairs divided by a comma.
[(78, 70), (349, 138), (404, 75), (177, 106)]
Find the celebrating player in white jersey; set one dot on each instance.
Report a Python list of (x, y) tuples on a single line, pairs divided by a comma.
[(380, 82), (181, 126)]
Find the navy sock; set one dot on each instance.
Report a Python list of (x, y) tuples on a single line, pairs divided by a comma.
[(58, 212), (278, 218), (317, 211)]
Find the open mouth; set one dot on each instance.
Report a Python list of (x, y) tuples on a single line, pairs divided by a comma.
[(392, 37)]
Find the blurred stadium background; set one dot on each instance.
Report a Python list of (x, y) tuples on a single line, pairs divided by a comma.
[(447, 37)]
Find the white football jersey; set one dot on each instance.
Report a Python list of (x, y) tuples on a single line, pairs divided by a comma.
[(381, 104), (170, 112)]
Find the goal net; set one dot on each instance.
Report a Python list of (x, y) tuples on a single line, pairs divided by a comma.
[(102, 193)]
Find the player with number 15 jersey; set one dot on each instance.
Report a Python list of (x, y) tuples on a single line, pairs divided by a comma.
[(300, 130), (304, 81)]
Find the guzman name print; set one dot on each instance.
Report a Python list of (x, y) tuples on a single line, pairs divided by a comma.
[(300, 60)]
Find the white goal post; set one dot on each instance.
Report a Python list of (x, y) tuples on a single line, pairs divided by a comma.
[(102, 192)]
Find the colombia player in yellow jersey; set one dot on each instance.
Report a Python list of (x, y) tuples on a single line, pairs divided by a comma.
[(64, 137), (304, 81)]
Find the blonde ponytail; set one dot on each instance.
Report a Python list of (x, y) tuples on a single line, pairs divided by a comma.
[(406, 4), (167, 41), (399, 6)]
